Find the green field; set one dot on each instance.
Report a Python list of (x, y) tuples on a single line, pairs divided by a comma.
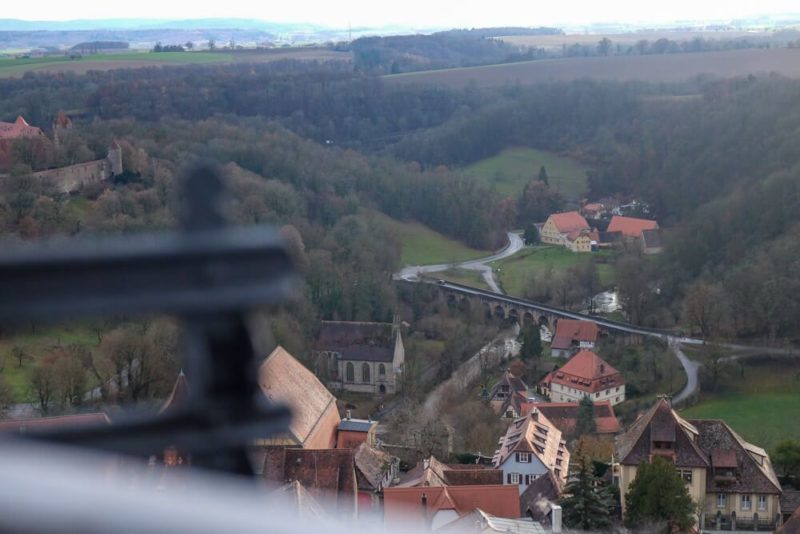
[(537, 261), (423, 246), (512, 169), (760, 400)]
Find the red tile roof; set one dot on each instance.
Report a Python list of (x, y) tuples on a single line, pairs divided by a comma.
[(586, 371), (432, 472), (403, 506), (569, 221), (23, 425), (564, 415), (630, 226), (17, 129), (573, 330)]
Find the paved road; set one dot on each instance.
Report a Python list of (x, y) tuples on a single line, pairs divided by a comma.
[(412, 273)]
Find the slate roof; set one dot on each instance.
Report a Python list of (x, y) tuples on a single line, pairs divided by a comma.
[(790, 501), (754, 473), (404, 505), (371, 466), (535, 501), (634, 446), (569, 221), (432, 472), (315, 417), (630, 226), (574, 330), (534, 433), (328, 475), (357, 425), (564, 415), (21, 426), (585, 371), (358, 341)]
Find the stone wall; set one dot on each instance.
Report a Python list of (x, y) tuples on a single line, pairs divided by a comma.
[(72, 178)]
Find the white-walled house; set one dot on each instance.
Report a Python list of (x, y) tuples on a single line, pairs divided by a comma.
[(585, 375)]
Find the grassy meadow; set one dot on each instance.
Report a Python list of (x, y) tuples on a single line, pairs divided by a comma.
[(758, 398), (538, 261), (462, 276), (511, 170), (423, 246)]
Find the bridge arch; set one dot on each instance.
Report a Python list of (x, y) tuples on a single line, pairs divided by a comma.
[(528, 318), (500, 311)]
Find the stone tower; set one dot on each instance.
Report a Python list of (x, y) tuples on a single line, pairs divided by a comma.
[(114, 159), (61, 124)]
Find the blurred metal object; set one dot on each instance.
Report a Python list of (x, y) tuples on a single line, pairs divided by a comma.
[(208, 275)]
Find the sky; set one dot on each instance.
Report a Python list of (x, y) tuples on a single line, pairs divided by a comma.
[(413, 13)]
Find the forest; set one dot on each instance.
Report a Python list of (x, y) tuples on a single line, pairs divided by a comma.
[(314, 147)]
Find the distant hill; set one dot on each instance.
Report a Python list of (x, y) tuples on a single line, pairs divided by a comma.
[(141, 24)]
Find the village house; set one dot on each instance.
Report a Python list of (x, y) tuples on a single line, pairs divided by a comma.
[(644, 232), (353, 432), (376, 470), (593, 210), (572, 335), (508, 394), (532, 447), (360, 357), (315, 417), (564, 415), (426, 508), (432, 472), (732, 480), (569, 230), (585, 375)]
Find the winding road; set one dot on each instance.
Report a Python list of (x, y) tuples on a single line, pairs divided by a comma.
[(515, 244)]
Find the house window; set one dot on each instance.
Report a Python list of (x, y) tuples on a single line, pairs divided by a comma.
[(762, 502), (524, 457), (557, 472), (686, 475), (514, 478), (382, 370), (745, 502), (349, 372), (365, 373), (558, 461), (722, 500)]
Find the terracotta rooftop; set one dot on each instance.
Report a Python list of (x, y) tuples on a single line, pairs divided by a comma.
[(630, 226), (432, 472), (569, 221), (328, 475), (403, 506), (21, 426), (18, 128), (534, 433), (315, 417), (564, 415), (586, 371), (358, 341), (574, 330)]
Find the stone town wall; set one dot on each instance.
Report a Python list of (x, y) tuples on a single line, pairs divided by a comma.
[(72, 178)]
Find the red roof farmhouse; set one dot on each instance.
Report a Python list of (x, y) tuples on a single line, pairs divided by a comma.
[(573, 334), (585, 375)]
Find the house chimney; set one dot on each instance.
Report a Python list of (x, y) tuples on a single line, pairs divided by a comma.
[(347, 415), (555, 518)]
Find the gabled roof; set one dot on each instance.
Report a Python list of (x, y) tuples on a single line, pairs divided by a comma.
[(652, 238), (569, 221), (534, 433), (21, 426), (294, 496), (432, 472), (371, 466), (315, 417), (634, 446), (630, 226), (328, 475), (480, 522), (18, 128), (403, 506), (586, 371), (180, 395), (358, 341), (574, 330), (564, 415), (535, 501), (754, 472)]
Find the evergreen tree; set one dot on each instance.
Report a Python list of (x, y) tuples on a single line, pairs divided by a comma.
[(659, 494), (543, 176), (585, 423), (531, 235), (587, 505), (531, 342)]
